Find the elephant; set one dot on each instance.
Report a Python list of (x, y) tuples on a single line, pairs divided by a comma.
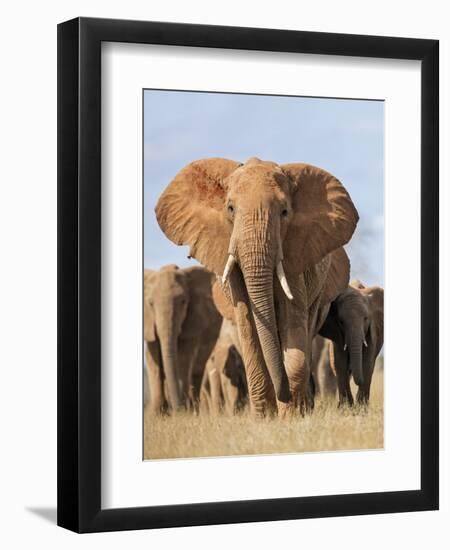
[(146, 393), (355, 325), (275, 235), (323, 375), (224, 385), (181, 326)]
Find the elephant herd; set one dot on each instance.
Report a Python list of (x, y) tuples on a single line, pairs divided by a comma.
[(270, 318)]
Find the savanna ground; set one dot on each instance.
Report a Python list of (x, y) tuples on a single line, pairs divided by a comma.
[(328, 428)]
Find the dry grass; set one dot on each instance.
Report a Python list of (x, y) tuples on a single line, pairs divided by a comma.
[(326, 429)]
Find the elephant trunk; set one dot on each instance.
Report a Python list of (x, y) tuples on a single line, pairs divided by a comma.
[(257, 265), (355, 355), (169, 353), (260, 291)]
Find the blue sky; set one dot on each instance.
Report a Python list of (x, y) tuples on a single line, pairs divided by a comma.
[(345, 137)]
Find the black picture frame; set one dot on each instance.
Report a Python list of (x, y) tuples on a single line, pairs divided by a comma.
[(79, 274)]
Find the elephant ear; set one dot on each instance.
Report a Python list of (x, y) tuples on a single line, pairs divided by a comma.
[(376, 297), (202, 318), (337, 277), (323, 218), (191, 211), (149, 319), (330, 328), (222, 302)]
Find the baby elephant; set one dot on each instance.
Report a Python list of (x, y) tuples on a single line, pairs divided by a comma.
[(224, 386), (355, 325), (181, 326)]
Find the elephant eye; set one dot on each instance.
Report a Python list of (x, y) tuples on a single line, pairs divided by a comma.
[(230, 208), (284, 212)]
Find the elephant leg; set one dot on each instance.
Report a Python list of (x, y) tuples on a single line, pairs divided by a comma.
[(297, 363), (363, 394), (205, 393), (369, 358), (319, 348), (198, 368), (216, 390), (326, 377), (230, 380), (298, 371), (216, 377), (329, 383), (230, 394), (348, 396), (193, 382), (315, 381), (297, 343), (187, 353), (158, 402), (234, 384), (344, 390), (339, 364)]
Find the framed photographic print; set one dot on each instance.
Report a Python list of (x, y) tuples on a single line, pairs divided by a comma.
[(247, 275)]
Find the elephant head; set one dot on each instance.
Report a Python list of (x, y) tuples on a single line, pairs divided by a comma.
[(174, 309), (355, 322), (258, 220)]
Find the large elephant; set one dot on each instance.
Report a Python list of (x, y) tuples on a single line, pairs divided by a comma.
[(275, 234), (181, 326), (224, 385), (356, 327)]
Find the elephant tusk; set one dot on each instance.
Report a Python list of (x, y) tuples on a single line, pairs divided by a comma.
[(283, 281), (229, 266), (365, 343), (345, 347)]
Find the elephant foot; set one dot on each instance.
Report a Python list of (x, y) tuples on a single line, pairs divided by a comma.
[(261, 413), (363, 401), (345, 404), (345, 398), (362, 397), (308, 403), (286, 410), (262, 408), (193, 407)]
